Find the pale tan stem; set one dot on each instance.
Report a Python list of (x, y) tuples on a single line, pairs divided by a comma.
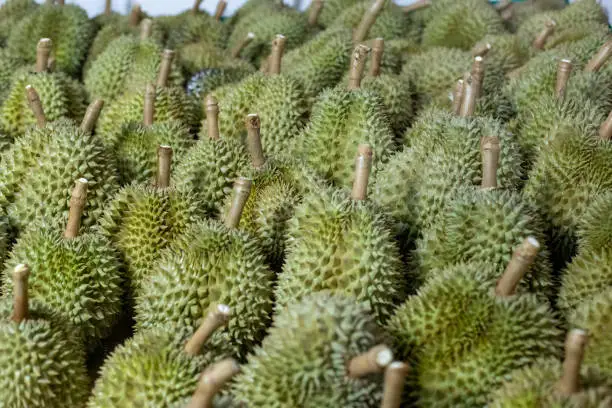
[(21, 309), (165, 68), (196, 7), (242, 45), (146, 29), (108, 7), (478, 73), (481, 50), (77, 207), (43, 50), (164, 164), (605, 130), (91, 116), (148, 110), (135, 15), (395, 376), (368, 20), (212, 117), (515, 73), (276, 58), (468, 102), (215, 319), (521, 260), (363, 168), (360, 54), (490, 161), (417, 5), (221, 6), (373, 361), (212, 381), (378, 48), (253, 125), (458, 97), (575, 344), (315, 12), (600, 58), (543, 36), (36, 106), (242, 190), (51, 64), (564, 69)]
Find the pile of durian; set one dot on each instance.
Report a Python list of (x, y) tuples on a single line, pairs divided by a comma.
[(360, 205)]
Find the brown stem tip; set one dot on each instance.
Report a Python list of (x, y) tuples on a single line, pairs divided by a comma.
[(521, 260), (43, 50), (146, 29), (20, 293), (108, 8), (564, 69), (212, 381), (395, 375), (242, 45), (315, 12), (600, 58), (542, 37), (490, 160), (360, 54), (468, 102), (368, 20), (164, 163), (215, 319), (254, 146), (481, 50), (221, 6), (165, 68), (363, 168), (135, 15), (36, 106), (148, 110), (212, 117), (373, 361), (77, 207), (196, 6), (378, 48), (278, 48), (417, 5), (91, 116), (242, 190), (575, 345)]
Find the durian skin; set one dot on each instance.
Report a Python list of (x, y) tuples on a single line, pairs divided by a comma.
[(333, 9), (11, 13), (149, 370), (302, 362), (390, 24), (210, 265), (41, 363), (534, 387), (68, 27), (79, 277), (595, 231), (343, 246), (207, 80), (9, 64)]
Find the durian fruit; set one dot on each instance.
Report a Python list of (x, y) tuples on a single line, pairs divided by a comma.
[(68, 26), (516, 13), (39, 170), (61, 95), (11, 13), (342, 244), (75, 274), (143, 219), (506, 51), (212, 262), (320, 339), (4, 238), (210, 74), (463, 333), (158, 367), (341, 118), (595, 230), (108, 16), (549, 384), (41, 363), (210, 167), (197, 26), (8, 65)]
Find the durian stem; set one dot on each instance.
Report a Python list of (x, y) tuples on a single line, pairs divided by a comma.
[(196, 7), (43, 50), (242, 190), (20, 293), (468, 104), (146, 29), (215, 319), (541, 39), (363, 167), (51, 64), (395, 375), (212, 117), (36, 106), (135, 16), (378, 48), (357, 66), (60, 2), (276, 58), (148, 110), (458, 97), (108, 7), (575, 344), (368, 20), (605, 130), (600, 58), (164, 163), (77, 206), (503, 5), (471, 93), (478, 73), (212, 381), (373, 361), (315, 12), (521, 260), (564, 69), (165, 68), (253, 125), (242, 45), (221, 5), (481, 50), (91, 116), (417, 5), (490, 161)]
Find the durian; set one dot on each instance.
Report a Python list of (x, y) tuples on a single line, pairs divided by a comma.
[(214, 74), (190, 27), (8, 65), (11, 13), (4, 237)]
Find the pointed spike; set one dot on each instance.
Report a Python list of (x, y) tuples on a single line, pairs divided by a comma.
[(242, 190), (215, 319), (373, 361), (77, 207), (363, 168)]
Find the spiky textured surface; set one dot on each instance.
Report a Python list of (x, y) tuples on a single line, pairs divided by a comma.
[(390, 24), (209, 79), (535, 387), (149, 370), (39, 171), (11, 13), (302, 362), (462, 341), (191, 28), (78, 277), (344, 246), (9, 64), (202, 55), (507, 51), (41, 364), (396, 94), (340, 121), (595, 231), (68, 27), (142, 220), (210, 265)]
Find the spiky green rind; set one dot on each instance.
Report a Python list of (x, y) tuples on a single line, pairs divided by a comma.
[(79, 277), (535, 387), (142, 220), (60, 95), (595, 231), (149, 370), (68, 27), (390, 24), (332, 10), (136, 148), (41, 363), (11, 13), (203, 55), (211, 264), (251, 6), (485, 226), (523, 11), (8, 65), (507, 51), (396, 94), (208, 79), (340, 121), (344, 246), (195, 28), (302, 362)]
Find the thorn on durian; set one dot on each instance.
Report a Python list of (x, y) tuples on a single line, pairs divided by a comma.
[(212, 381), (378, 48), (164, 163), (212, 117), (242, 45), (242, 190), (360, 54), (254, 146), (547, 31), (373, 361), (91, 116), (276, 57), (395, 376), (78, 200), (575, 345), (599, 59), (221, 6), (368, 20), (215, 319), (43, 51), (363, 168), (564, 70), (165, 68), (490, 160), (523, 257), (315, 11), (36, 106), (20, 293)]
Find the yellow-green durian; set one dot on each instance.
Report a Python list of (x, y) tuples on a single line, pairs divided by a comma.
[(11, 13)]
